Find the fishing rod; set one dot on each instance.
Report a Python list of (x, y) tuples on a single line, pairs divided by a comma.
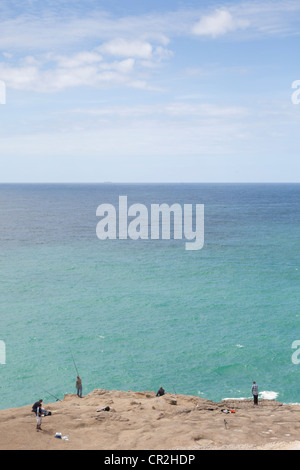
[(57, 399), (74, 363)]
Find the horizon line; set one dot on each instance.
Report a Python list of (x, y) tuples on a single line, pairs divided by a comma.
[(146, 182)]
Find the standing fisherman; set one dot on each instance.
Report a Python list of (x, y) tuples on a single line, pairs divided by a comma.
[(79, 386), (37, 408), (255, 393), (78, 381)]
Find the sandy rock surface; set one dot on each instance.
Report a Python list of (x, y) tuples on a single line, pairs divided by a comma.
[(142, 421)]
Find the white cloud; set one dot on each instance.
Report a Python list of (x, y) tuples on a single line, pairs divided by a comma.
[(127, 48), (32, 78), (51, 73), (54, 29), (21, 78), (175, 111), (124, 66), (7, 55), (77, 60), (218, 23), (162, 53), (122, 60)]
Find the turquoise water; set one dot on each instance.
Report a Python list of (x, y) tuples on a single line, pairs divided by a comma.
[(140, 314)]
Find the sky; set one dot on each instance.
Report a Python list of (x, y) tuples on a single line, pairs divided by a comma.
[(138, 91)]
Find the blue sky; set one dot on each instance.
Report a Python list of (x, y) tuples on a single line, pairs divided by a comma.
[(139, 91)]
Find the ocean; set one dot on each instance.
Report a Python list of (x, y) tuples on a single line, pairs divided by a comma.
[(140, 314)]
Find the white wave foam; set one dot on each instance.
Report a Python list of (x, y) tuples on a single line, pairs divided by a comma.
[(268, 395), (265, 395), (241, 398)]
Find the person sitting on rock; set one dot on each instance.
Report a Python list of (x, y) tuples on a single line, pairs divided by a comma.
[(160, 392)]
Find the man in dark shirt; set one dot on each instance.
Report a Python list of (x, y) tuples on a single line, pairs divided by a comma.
[(160, 392), (37, 409), (255, 393)]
